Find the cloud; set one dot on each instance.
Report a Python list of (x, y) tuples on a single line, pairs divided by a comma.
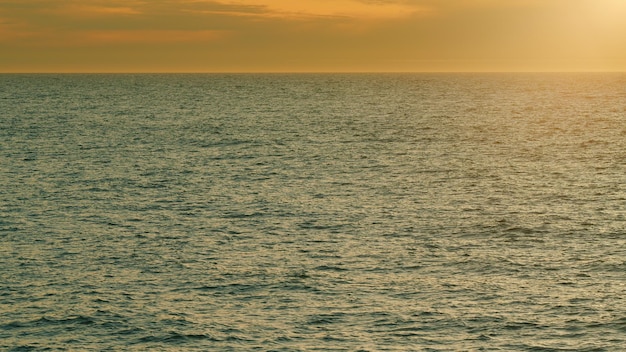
[(150, 36), (178, 17), (306, 8), (47, 24), (219, 7), (86, 10)]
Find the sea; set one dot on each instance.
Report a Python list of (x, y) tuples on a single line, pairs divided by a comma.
[(313, 212)]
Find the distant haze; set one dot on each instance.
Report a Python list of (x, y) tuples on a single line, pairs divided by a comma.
[(311, 35)]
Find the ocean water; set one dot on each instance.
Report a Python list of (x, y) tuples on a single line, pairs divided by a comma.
[(313, 212)]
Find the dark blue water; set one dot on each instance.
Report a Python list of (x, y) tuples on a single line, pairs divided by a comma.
[(372, 212)]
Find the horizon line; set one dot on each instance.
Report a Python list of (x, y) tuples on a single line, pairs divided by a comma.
[(304, 72)]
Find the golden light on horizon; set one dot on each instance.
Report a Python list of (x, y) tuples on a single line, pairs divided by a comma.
[(312, 35)]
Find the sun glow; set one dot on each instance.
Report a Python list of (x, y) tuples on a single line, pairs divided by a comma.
[(597, 29)]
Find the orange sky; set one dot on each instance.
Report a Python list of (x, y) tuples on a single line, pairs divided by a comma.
[(311, 35)]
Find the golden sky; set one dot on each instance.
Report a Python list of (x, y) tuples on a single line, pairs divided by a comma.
[(311, 35)]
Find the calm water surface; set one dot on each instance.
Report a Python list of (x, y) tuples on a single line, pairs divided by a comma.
[(366, 212)]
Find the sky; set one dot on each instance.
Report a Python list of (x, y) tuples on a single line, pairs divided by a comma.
[(312, 35)]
